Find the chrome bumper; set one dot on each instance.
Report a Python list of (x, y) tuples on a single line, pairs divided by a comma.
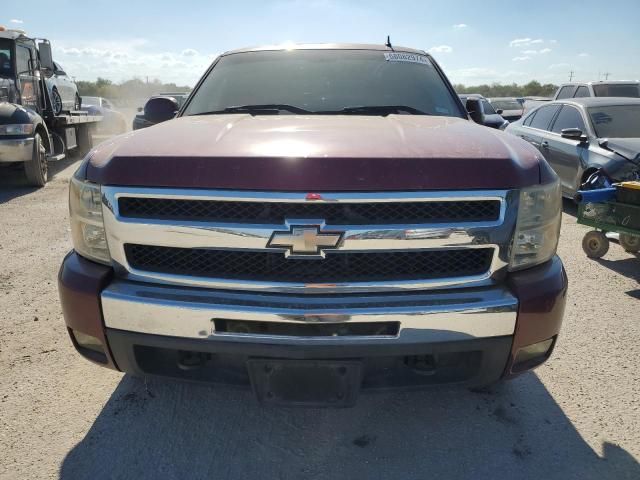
[(16, 150), (436, 316)]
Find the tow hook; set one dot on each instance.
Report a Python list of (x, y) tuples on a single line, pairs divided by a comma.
[(191, 360), (421, 364)]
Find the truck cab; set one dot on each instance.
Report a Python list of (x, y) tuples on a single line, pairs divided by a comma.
[(30, 133)]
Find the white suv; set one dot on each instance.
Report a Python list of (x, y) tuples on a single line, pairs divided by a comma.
[(609, 88)]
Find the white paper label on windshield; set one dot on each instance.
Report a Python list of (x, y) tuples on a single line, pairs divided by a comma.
[(406, 57)]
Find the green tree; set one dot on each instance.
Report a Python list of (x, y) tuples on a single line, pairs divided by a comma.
[(531, 89)]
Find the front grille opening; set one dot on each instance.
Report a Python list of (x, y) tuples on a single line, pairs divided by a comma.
[(337, 267), (286, 329), (373, 213)]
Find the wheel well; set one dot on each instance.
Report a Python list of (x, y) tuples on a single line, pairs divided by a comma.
[(45, 136)]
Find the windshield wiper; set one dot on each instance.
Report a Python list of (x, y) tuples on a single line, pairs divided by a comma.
[(383, 110), (265, 109)]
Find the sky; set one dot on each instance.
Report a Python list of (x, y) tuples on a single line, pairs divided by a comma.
[(474, 42)]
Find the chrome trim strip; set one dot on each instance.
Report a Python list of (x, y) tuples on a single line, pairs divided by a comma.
[(186, 234), (115, 192), (189, 313)]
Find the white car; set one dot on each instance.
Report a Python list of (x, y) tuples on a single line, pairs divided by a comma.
[(62, 90)]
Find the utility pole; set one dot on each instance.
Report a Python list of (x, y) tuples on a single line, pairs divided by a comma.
[(606, 75), (571, 75)]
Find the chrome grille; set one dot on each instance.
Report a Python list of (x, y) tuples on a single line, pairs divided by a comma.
[(336, 267), (332, 213), (390, 241)]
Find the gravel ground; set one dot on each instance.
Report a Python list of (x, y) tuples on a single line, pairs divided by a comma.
[(60, 416)]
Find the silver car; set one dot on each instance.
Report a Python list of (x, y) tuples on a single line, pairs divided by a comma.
[(62, 90), (580, 136)]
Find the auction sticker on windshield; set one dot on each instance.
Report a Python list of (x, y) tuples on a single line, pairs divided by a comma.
[(406, 57)]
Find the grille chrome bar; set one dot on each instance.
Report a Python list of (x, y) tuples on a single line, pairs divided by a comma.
[(187, 234)]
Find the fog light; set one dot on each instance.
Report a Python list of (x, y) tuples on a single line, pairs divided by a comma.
[(532, 355), (89, 346)]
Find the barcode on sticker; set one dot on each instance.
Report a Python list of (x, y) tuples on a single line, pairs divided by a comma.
[(406, 57)]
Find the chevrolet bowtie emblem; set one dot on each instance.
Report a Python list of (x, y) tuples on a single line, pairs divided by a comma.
[(305, 241)]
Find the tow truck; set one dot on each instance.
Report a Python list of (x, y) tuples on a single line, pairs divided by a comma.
[(30, 132)]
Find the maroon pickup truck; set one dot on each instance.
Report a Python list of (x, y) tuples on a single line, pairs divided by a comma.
[(317, 221)]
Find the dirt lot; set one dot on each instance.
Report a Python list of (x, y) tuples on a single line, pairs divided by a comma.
[(60, 416)]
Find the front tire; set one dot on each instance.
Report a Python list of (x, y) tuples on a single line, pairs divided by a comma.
[(78, 103), (37, 169), (595, 244), (56, 101), (630, 243)]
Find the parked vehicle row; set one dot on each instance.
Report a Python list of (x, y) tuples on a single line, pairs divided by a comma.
[(509, 108), (579, 136)]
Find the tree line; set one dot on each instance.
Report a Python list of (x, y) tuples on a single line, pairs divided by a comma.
[(136, 90), (531, 89), (128, 93)]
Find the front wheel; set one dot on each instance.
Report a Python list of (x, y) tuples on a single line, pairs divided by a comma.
[(595, 244), (78, 103), (36, 169), (631, 243)]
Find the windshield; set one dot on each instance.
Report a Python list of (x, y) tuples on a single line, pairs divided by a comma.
[(619, 121), (6, 58), (617, 90), (506, 104), (322, 81)]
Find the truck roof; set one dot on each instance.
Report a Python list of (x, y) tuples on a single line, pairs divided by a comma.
[(12, 34), (600, 101), (600, 82), (327, 46)]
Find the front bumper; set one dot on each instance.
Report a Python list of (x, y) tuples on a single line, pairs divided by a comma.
[(461, 335), (16, 150)]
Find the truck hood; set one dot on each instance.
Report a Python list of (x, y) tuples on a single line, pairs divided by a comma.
[(629, 148), (316, 153)]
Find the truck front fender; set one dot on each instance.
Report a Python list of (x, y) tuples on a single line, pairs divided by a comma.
[(13, 114)]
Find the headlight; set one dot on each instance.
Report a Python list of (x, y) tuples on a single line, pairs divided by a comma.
[(16, 129), (87, 228), (537, 227)]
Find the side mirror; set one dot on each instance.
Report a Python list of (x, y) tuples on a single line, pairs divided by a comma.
[(473, 107), (160, 109), (499, 111), (46, 58), (574, 134)]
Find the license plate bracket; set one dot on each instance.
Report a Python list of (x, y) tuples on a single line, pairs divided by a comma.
[(308, 383)]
